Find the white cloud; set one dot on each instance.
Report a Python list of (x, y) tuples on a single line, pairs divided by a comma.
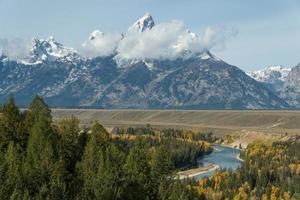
[(100, 44), (164, 41), (15, 49), (215, 38)]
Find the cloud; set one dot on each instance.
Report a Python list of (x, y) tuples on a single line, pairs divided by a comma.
[(100, 44), (164, 41), (215, 38), (15, 49)]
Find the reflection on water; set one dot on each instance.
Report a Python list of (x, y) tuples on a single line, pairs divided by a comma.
[(224, 157)]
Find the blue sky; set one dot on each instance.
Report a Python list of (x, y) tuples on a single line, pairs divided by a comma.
[(268, 30)]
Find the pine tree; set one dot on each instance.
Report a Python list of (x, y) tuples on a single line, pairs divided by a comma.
[(40, 153), (101, 167), (37, 107), (59, 182), (93, 159), (11, 174), (109, 180), (68, 146), (70, 153), (179, 191), (11, 127), (138, 168), (161, 167), (162, 164)]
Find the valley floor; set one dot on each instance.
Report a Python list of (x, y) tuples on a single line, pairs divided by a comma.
[(248, 124)]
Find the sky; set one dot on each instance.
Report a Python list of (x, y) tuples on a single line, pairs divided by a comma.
[(266, 32)]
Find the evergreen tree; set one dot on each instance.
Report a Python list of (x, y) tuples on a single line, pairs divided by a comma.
[(161, 168), (109, 180), (93, 159), (162, 164), (179, 191), (61, 183), (37, 107), (40, 154), (11, 174), (68, 146), (11, 127), (101, 167), (138, 168), (70, 153)]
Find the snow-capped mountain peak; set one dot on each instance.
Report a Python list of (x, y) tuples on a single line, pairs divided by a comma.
[(271, 74), (49, 49), (193, 35), (206, 54), (96, 34), (273, 77), (185, 77), (144, 23)]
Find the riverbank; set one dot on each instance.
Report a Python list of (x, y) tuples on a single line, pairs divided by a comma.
[(239, 157), (196, 171), (227, 145), (223, 157)]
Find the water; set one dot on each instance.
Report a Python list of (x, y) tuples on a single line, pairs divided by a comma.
[(224, 157)]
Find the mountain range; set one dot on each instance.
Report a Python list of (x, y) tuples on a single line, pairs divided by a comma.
[(66, 78), (273, 77)]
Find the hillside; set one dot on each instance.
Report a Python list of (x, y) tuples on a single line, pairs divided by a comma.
[(273, 77), (291, 88)]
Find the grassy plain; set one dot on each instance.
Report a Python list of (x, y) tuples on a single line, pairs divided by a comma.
[(217, 121)]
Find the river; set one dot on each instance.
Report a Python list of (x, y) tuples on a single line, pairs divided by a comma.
[(222, 156)]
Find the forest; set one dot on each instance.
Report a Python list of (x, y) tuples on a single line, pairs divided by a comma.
[(45, 159), (42, 159), (166, 132)]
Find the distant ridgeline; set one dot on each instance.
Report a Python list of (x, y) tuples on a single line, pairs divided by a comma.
[(186, 79), (40, 159)]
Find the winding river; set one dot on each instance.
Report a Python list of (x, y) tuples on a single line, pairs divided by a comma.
[(223, 157)]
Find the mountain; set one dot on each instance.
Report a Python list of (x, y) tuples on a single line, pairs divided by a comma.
[(48, 51), (273, 77), (291, 88), (193, 80), (144, 23)]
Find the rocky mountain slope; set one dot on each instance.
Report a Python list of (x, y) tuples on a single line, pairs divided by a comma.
[(291, 88), (273, 77), (65, 78)]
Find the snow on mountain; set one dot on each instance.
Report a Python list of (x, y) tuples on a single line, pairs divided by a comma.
[(160, 41), (187, 83), (272, 76), (195, 80), (48, 50), (100, 44), (144, 23), (96, 34)]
